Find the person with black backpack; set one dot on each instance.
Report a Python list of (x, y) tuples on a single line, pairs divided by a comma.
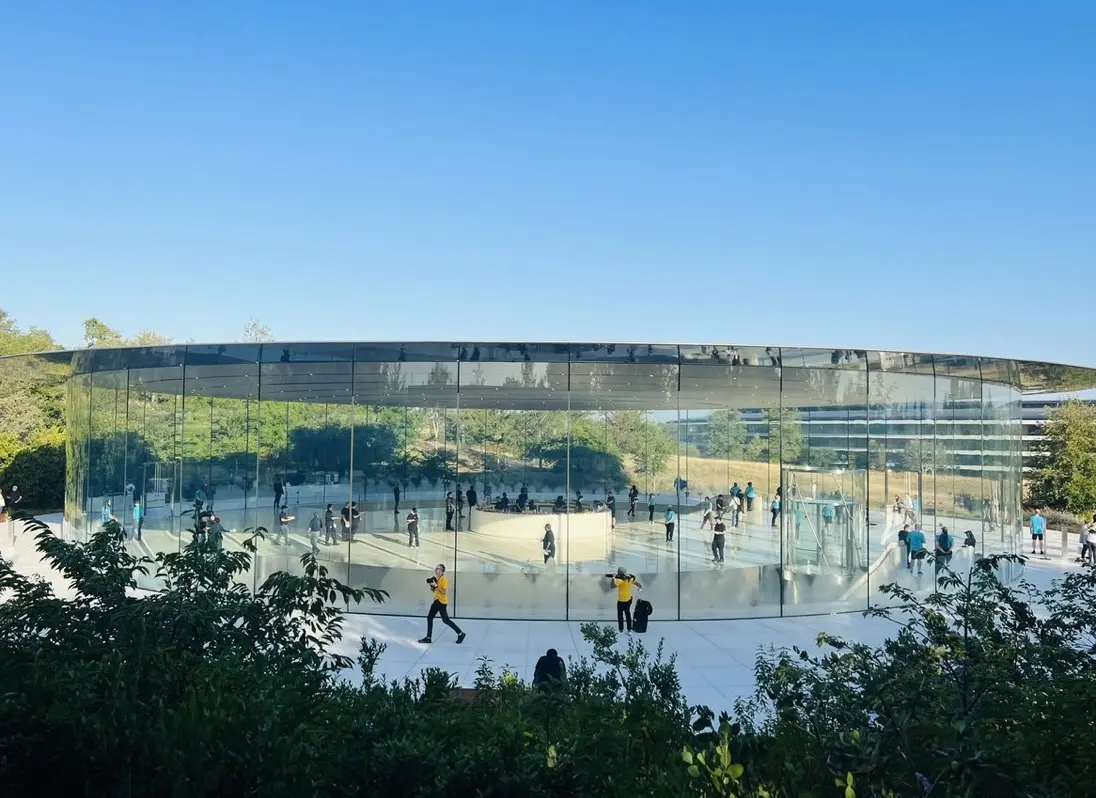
[(624, 582)]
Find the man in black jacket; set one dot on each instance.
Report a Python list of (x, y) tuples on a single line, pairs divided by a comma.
[(549, 668)]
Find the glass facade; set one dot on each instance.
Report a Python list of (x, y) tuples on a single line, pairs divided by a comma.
[(492, 444)]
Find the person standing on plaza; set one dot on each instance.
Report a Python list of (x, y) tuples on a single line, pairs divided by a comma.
[(917, 547), (750, 494), (718, 540), (548, 543), (439, 585), (413, 527), (650, 508), (669, 519), (610, 502), (278, 491), (1038, 533), (624, 582), (450, 511), (330, 537), (460, 503), (473, 500), (775, 507), (396, 496), (633, 497), (138, 516), (904, 543)]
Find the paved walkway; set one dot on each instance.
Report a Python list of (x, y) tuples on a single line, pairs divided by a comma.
[(714, 658)]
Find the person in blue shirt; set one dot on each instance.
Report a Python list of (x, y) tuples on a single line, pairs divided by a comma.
[(669, 520), (916, 542), (138, 516), (1038, 532), (750, 494)]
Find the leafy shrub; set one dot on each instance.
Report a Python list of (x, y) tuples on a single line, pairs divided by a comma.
[(207, 688)]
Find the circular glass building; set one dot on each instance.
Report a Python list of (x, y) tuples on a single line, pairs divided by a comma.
[(786, 473)]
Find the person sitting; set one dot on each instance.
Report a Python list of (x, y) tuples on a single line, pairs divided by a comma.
[(532, 506), (549, 668), (970, 541), (559, 506)]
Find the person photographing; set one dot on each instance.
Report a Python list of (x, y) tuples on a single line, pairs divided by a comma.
[(439, 585), (624, 582)]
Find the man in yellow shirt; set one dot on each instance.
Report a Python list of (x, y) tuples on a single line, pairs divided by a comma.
[(439, 584), (624, 582)]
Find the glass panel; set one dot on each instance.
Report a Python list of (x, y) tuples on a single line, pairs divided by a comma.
[(513, 456), (823, 505), (623, 448), (107, 448), (732, 570), (404, 456)]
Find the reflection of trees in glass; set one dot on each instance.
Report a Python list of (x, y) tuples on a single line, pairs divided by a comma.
[(1066, 477), (785, 435), (726, 435), (925, 456)]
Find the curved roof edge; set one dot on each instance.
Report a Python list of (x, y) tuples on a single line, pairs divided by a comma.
[(1032, 377)]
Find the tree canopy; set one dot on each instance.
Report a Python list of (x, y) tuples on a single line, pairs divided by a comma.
[(1066, 476)]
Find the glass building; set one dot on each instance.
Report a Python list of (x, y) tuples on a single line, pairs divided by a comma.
[(830, 452)]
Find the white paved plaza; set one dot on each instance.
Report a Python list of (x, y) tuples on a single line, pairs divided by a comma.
[(714, 657)]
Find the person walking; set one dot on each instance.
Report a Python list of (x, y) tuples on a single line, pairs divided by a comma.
[(284, 519), (314, 527), (460, 503), (548, 543), (705, 512), (396, 496), (413, 528), (633, 497), (439, 585), (450, 511), (669, 520), (718, 541), (610, 502), (138, 516), (650, 508), (278, 491), (624, 582), (1038, 533), (330, 536), (775, 507)]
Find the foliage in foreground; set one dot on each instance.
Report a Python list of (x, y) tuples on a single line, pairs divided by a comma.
[(208, 689)]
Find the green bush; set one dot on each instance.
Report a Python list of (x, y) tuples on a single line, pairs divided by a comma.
[(207, 688), (37, 467)]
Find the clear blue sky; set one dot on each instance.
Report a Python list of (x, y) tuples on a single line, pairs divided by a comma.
[(908, 175)]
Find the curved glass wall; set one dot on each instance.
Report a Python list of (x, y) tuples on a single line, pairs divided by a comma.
[(817, 456)]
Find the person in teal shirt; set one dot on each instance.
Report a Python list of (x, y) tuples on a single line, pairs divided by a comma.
[(1038, 532), (916, 541), (669, 520), (750, 494), (138, 517)]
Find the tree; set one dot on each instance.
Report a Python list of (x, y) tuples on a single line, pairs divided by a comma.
[(726, 435), (97, 333), (1066, 476), (15, 341), (257, 332)]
